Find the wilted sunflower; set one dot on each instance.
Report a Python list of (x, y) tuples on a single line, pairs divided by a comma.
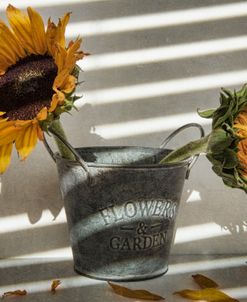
[(38, 75), (226, 145)]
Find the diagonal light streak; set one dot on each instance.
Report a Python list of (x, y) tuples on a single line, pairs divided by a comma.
[(146, 126), (57, 253), (42, 3), (237, 292), (44, 285), (162, 88), (199, 232), (21, 222), (206, 264), (18, 262), (165, 53), (157, 20)]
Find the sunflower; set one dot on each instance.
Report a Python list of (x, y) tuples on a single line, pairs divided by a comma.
[(226, 145), (240, 124), (38, 75)]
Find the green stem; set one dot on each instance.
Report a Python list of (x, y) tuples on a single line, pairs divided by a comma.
[(56, 126), (193, 148)]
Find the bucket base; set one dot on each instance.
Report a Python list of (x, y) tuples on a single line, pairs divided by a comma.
[(122, 278)]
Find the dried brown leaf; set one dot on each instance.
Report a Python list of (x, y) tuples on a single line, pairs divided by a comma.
[(204, 282), (136, 294), (54, 285), (17, 292), (207, 294)]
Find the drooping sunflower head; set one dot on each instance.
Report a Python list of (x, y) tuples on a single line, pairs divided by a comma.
[(227, 144), (240, 124), (38, 75)]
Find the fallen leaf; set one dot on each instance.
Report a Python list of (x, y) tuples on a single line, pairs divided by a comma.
[(204, 282), (208, 294), (14, 293), (54, 285), (136, 294)]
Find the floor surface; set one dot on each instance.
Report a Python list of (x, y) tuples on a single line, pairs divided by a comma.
[(36, 275)]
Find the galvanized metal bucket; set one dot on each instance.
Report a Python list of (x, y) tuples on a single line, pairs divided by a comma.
[(121, 206)]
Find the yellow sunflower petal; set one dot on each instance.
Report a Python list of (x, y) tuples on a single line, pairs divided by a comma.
[(2, 120), (9, 41), (8, 133), (73, 55), (69, 85), (42, 115), (8, 57), (60, 95), (5, 156), (56, 34), (21, 26), (57, 99), (2, 69), (27, 140), (242, 130), (6, 49), (37, 31), (54, 103), (51, 33), (60, 57), (60, 35), (60, 79), (4, 64), (66, 59), (40, 134), (22, 123)]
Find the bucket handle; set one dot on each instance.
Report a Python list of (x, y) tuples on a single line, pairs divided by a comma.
[(174, 133), (69, 146)]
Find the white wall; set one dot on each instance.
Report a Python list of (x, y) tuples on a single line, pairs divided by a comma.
[(152, 64)]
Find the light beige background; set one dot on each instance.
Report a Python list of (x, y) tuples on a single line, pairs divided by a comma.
[(152, 64)]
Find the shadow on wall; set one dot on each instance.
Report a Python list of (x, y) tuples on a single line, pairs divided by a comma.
[(34, 193)]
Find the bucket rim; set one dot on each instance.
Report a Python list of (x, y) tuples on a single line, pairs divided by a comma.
[(182, 163)]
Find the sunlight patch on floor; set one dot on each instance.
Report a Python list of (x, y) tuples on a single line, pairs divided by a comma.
[(194, 196)]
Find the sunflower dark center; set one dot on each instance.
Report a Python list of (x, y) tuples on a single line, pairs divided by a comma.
[(26, 87)]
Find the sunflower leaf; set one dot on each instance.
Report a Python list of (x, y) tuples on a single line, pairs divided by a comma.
[(204, 282), (76, 71), (227, 92), (219, 140), (230, 159), (206, 113), (135, 294), (221, 117), (207, 294)]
